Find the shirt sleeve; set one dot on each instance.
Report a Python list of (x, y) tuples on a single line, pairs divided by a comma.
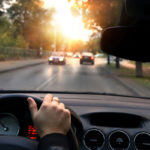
[(53, 142)]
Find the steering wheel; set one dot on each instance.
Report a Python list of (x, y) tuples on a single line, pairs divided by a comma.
[(23, 143)]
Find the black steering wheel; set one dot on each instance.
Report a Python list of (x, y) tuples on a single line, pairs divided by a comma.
[(23, 143)]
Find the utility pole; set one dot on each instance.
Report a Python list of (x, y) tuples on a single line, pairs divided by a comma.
[(55, 39)]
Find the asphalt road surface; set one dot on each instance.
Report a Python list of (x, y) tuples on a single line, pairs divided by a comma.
[(70, 77)]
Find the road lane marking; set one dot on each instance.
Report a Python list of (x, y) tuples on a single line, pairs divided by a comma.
[(45, 83)]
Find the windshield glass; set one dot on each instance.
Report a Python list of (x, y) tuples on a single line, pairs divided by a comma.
[(33, 30)]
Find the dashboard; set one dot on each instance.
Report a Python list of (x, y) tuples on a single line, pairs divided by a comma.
[(100, 122)]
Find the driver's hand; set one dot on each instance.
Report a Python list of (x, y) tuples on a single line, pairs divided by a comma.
[(52, 117)]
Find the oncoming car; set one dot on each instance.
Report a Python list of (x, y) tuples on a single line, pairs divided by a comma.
[(87, 57), (57, 58)]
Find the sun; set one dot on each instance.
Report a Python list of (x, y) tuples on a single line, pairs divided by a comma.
[(72, 26)]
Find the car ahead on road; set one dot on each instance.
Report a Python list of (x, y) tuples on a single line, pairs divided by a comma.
[(57, 58), (87, 57)]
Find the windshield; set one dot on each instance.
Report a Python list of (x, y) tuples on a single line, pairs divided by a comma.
[(32, 31)]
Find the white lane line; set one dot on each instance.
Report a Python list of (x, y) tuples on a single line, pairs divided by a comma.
[(45, 83)]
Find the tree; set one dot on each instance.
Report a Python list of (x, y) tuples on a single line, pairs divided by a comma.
[(98, 14), (93, 45), (7, 38), (76, 46), (101, 13), (2, 8), (33, 22)]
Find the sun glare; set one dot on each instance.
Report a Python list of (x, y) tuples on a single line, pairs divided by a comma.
[(72, 26)]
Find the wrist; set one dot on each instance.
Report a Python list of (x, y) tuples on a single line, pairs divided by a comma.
[(44, 133)]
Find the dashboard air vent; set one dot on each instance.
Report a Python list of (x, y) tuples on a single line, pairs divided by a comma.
[(93, 139), (119, 140), (142, 141)]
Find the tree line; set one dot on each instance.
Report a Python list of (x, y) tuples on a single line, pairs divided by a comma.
[(26, 24)]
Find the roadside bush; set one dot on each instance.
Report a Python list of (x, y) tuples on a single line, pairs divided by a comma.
[(8, 35), (2, 57)]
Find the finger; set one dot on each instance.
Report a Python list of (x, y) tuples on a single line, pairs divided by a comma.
[(48, 98), (61, 105), (55, 103), (56, 99), (32, 106)]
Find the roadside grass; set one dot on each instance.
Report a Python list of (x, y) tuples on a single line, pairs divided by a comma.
[(130, 73), (144, 64), (143, 81)]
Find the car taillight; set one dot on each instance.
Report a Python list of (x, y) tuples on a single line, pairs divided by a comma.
[(32, 134), (92, 58)]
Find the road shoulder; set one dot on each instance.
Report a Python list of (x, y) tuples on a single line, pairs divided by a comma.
[(129, 83), (7, 66)]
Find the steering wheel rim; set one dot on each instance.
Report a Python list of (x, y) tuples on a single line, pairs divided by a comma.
[(22, 143)]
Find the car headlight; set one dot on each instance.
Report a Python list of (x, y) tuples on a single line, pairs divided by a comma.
[(50, 58), (61, 59)]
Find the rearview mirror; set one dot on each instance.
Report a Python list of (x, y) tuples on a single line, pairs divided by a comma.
[(138, 8), (127, 42)]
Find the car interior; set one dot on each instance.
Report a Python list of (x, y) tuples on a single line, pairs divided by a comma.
[(99, 121)]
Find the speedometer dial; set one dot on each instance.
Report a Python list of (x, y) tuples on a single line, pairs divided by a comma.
[(9, 124)]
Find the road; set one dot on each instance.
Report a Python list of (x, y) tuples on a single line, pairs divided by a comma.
[(71, 77)]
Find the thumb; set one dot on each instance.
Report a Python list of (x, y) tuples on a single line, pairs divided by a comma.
[(32, 106)]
